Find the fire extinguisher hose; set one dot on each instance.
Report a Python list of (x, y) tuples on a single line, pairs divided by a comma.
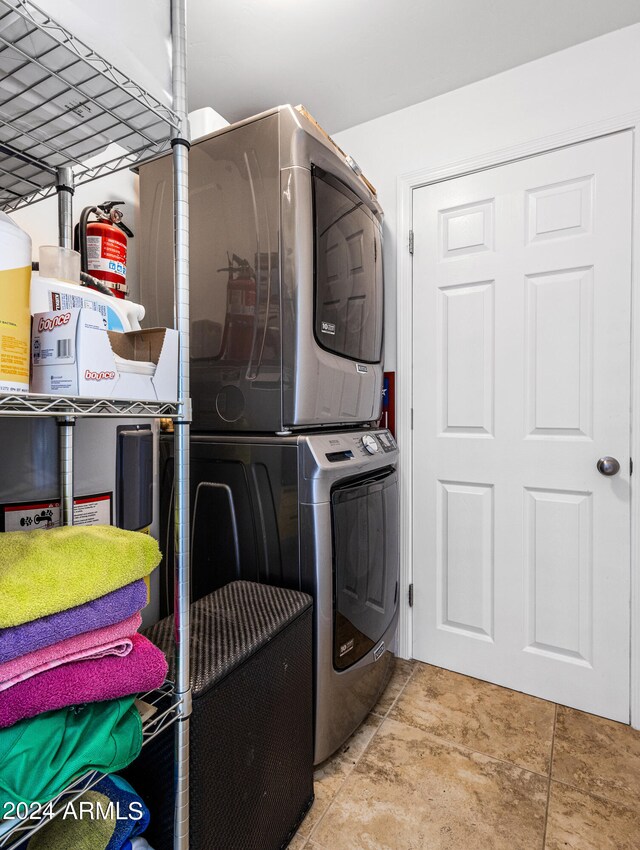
[(88, 280), (82, 237)]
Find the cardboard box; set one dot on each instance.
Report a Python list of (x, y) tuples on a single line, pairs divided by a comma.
[(350, 161), (72, 354)]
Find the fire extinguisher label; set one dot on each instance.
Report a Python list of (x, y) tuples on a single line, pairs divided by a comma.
[(106, 255), (94, 244), (102, 265)]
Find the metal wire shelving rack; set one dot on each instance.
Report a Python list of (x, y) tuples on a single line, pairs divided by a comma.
[(44, 405), (164, 702), (68, 116), (61, 104)]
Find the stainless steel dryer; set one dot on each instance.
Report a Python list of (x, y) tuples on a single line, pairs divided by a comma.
[(286, 277), (317, 512)]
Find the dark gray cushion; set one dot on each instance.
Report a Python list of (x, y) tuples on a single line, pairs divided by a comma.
[(228, 626)]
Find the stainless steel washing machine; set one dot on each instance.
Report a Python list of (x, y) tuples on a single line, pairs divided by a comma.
[(318, 512)]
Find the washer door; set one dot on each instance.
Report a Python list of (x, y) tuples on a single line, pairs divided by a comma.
[(365, 563)]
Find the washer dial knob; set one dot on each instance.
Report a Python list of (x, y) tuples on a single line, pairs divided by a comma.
[(370, 443)]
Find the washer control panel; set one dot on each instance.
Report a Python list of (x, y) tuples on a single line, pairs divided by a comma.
[(350, 447), (386, 441), (371, 444)]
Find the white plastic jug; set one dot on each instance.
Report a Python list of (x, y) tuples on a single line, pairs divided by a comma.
[(51, 294), (15, 316)]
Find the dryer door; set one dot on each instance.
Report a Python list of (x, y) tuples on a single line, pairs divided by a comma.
[(365, 563)]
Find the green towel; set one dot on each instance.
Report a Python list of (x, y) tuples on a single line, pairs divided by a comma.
[(44, 572), (40, 756), (82, 834)]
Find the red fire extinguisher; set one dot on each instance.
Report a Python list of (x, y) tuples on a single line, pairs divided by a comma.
[(103, 245), (239, 325)]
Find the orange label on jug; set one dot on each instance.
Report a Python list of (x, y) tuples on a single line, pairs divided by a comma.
[(15, 330)]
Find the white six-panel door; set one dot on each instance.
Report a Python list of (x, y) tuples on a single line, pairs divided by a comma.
[(521, 382)]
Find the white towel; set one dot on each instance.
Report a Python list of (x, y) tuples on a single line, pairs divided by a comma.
[(140, 844)]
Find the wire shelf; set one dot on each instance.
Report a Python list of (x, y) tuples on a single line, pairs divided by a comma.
[(165, 702), (44, 405), (61, 104)]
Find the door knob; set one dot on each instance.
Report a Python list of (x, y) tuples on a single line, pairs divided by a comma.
[(608, 466)]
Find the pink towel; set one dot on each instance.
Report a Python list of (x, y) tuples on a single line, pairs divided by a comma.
[(111, 677), (109, 640), (108, 609)]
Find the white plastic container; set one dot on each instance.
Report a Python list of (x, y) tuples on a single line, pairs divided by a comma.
[(59, 263), (48, 293), (15, 316)]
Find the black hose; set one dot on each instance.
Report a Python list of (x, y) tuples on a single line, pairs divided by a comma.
[(82, 237), (88, 280)]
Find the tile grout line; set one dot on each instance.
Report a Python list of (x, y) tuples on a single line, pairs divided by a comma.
[(388, 711), (601, 797), (311, 844), (400, 692), (355, 764), (310, 841), (450, 741), (553, 746)]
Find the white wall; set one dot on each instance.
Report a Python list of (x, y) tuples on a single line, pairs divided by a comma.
[(575, 87), (135, 37)]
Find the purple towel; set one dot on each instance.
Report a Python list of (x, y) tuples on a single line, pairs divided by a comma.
[(111, 677), (109, 640), (104, 611)]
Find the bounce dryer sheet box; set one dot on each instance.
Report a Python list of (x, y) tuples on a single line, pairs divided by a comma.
[(73, 354), (147, 363)]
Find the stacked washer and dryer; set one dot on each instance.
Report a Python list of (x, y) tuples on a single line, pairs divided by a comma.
[(292, 483)]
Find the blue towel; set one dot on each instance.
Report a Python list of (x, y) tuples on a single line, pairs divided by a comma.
[(124, 816), (131, 813), (128, 803)]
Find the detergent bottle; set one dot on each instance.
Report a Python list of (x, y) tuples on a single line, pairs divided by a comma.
[(56, 286), (15, 317)]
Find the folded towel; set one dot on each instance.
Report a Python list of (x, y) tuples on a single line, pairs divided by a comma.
[(42, 573), (79, 682), (39, 757), (108, 609), (84, 833), (109, 640), (127, 803), (109, 815)]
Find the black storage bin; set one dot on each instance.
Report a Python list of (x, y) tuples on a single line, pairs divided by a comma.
[(251, 730)]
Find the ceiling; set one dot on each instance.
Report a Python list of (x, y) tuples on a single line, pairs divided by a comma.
[(349, 61)]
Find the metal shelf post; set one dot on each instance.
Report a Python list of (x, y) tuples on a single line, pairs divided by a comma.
[(64, 188), (65, 450), (182, 515)]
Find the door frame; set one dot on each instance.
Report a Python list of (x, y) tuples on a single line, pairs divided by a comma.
[(406, 183)]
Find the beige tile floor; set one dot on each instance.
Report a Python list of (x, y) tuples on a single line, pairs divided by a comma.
[(445, 762)]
